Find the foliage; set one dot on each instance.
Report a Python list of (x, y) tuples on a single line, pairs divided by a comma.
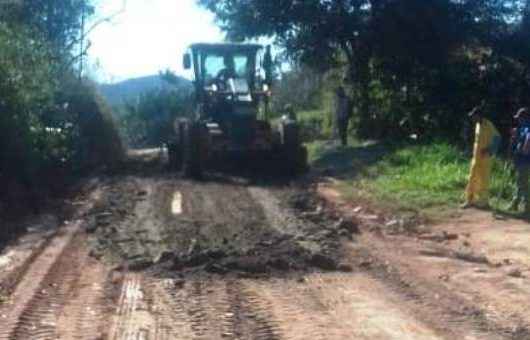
[(27, 90), (412, 66), (299, 87), (148, 121), (51, 122), (59, 22), (94, 138)]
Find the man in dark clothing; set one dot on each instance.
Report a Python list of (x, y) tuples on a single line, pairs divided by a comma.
[(342, 114), (520, 147)]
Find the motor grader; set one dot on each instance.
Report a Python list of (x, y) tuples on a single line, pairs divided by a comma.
[(230, 120)]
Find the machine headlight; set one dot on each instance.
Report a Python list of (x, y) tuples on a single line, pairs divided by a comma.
[(214, 88), (265, 87)]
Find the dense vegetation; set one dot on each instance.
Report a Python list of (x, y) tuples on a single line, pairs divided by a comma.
[(412, 66), (147, 121), (52, 122), (148, 107)]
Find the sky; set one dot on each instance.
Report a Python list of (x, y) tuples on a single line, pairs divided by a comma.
[(149, 36)]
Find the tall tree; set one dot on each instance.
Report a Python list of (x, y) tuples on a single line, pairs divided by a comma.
[(408, 45)]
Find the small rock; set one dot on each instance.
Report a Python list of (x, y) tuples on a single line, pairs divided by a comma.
[(439, 237), (116, 277), (194, 247), (165, 256), (444, 277), (393, 224), (179, 283), (344, 267), (450, 236), (95, 254), (365, 263), (216, 254), (266, 243), (470, 257), (301, 280), (348, 225), (215, 269), (140, 264), (279, 263), (369, 217), (198, 259), (249, 265), (515, 272), (345, 233), (91, 228), (323, 261)]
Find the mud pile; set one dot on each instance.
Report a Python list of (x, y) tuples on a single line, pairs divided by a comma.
[(218, 227)]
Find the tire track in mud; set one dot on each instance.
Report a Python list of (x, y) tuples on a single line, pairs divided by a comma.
[(171, 321), (132, 319), (337, 306), (291, 307), (41, 320), (83, 315), (199, 309), (36, 301), (248, 316)]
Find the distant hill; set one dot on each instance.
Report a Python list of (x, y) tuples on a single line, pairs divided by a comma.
[(118, 93)]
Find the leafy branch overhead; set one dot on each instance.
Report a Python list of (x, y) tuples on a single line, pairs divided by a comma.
[(408, 52)]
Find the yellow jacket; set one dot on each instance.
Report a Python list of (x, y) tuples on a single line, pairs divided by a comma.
[(487, 138)]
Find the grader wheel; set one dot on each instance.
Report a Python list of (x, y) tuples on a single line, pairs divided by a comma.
[(195, 150), (294, 153)]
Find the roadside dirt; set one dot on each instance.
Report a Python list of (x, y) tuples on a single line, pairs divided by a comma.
[(475, 265), (149, 255)]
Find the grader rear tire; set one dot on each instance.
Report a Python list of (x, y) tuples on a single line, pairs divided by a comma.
[(175, 155), (294, 153), (194, 151)]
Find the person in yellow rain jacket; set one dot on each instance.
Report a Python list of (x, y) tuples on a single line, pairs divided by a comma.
[(487, 141)]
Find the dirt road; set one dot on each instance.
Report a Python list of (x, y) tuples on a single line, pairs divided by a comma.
[(148, 255)]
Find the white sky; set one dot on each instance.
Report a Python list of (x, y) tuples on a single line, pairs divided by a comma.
[(150, 36)]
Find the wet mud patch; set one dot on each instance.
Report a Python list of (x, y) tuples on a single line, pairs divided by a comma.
[(215, 227)]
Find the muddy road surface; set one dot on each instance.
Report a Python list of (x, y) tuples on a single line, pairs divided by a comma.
[(145, 254)]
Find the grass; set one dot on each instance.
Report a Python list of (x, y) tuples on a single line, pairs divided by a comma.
[(430, 179)]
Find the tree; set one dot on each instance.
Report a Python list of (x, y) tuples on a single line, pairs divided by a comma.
[(402, 50), (148, 121)]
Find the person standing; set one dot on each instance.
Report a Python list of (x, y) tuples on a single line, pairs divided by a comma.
[(342, 114), (487, 141), (520, 148)]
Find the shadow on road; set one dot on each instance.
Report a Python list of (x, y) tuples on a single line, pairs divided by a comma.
[(347, 162)]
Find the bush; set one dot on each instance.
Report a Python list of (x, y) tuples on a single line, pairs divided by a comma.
[(27, 88), (50, 122), (148, 122), (95, 140)]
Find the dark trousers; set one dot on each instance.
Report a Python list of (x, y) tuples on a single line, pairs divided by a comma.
[(342, 125), (521, 196)]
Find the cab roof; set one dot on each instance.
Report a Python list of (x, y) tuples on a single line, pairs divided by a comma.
[(228, 47)]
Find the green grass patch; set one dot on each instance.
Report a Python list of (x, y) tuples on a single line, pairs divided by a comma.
[(424, 178)]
